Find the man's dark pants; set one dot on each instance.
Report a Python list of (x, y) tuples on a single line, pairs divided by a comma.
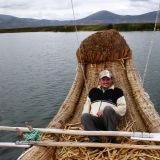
[(108, 122)]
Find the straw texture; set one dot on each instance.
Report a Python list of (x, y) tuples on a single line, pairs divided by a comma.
[(102, 50), (103, 46), (107, 153)]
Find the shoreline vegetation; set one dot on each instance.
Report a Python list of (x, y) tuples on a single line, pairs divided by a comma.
[(71, 28)]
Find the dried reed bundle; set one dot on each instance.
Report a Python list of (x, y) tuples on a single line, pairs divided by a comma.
[(103, 46), (82, 153)]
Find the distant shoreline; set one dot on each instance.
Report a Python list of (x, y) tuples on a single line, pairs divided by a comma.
[(71, 28)]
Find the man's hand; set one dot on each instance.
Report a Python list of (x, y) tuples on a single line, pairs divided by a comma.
[(100, 114), (82, 127)]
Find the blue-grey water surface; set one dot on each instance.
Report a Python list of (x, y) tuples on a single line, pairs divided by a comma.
[(37, 70)]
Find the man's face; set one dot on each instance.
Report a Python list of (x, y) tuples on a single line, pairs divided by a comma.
[(105, 82)]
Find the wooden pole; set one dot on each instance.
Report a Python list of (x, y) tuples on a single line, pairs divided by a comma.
[(87, 144), (27, 144), (87, 133), (13, 145)]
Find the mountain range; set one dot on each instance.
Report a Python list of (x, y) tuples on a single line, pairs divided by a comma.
[(101, 17)]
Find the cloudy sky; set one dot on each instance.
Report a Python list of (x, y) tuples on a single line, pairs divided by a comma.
[(62, 9)]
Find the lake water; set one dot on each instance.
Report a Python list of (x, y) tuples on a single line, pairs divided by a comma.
[(37, 70)]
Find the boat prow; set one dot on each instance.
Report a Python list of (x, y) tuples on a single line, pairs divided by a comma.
[(102, 50)]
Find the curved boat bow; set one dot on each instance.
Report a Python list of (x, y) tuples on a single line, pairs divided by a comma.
[(102, 50)]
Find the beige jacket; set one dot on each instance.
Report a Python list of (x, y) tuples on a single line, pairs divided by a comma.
[(97, 106)]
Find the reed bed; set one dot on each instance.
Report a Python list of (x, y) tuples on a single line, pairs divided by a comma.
[(83, 153)]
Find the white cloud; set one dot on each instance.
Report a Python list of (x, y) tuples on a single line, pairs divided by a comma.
[(61, 9), (140, 0), (141, 6)]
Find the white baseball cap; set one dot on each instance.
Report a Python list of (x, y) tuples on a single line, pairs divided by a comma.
[(105, 73)]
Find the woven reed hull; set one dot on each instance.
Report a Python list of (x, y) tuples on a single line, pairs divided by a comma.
[(139, 107)]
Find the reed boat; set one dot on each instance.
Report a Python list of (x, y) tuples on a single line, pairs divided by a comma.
[(102, 50)]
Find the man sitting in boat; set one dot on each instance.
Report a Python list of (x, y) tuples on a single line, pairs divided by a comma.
[(104, 106)]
